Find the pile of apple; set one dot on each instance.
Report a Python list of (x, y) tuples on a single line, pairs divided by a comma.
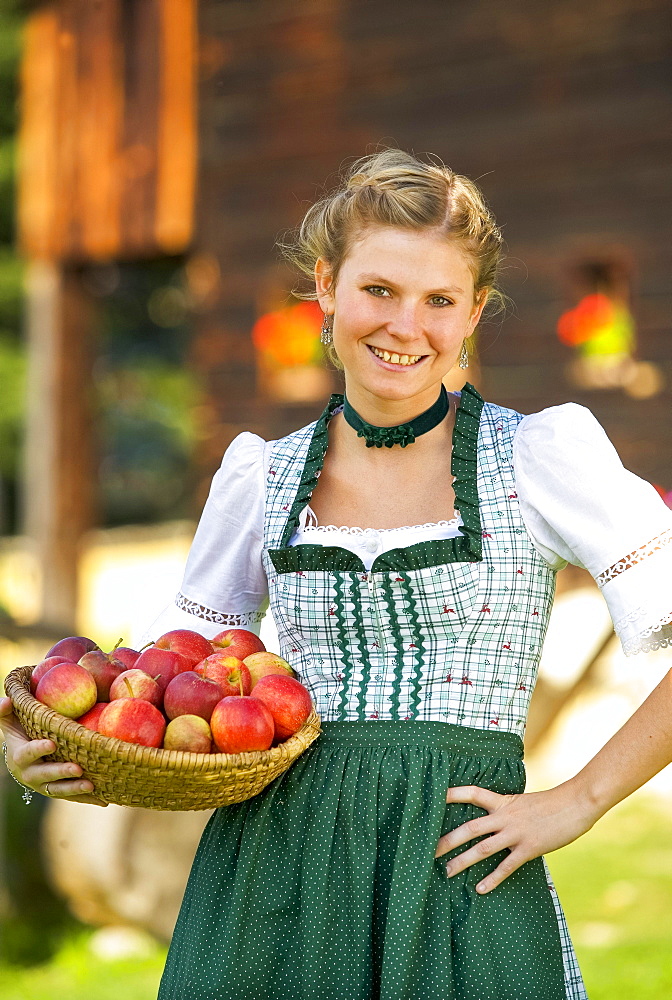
[(183, 692)]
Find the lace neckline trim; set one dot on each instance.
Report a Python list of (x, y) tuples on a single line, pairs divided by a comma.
[(311, 525)]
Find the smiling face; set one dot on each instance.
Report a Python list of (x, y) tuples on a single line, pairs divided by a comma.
[(403, 303)]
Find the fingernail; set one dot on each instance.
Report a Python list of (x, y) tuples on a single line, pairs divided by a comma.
[(482, 887), (449, 870)]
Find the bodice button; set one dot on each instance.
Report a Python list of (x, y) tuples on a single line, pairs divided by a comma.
[(371, 541)]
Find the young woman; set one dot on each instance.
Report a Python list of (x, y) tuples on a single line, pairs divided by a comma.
[(407, 541)]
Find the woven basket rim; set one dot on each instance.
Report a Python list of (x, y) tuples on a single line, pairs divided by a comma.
[(17, 687)]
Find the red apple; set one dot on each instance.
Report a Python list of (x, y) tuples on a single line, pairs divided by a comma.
[(68, 689), (162, 664), (263, 663), (189, 694), (188, 732), (90, 719), (240, 723), (126, 655), (227, 671), (136, 683), (103, 667), (72, 648), (288, 701), (238, 642), (134, 721), (191, 645), (40, 670)]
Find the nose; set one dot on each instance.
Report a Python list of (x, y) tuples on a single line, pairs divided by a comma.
[(404, 323)]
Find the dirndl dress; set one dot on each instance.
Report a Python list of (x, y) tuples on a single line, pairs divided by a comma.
[(421, 665)]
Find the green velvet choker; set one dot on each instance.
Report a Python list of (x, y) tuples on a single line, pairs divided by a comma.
[(401, 434)]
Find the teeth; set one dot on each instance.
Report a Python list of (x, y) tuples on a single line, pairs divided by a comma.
[(396, 359)]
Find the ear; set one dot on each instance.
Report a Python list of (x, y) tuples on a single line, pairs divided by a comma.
[(323, 286), (481, 299)]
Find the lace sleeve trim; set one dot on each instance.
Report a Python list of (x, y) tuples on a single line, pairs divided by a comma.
[(635, 557), (218, 617), (657, 636)]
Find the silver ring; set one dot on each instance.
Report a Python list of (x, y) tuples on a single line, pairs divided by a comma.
[(46, 790)]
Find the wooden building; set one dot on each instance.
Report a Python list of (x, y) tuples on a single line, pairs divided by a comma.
[(206, 128)]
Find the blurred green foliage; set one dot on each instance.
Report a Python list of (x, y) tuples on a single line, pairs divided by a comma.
[(148, 429), (148, 398), (33, 921)]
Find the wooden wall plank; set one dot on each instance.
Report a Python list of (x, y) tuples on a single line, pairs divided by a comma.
[(38, 135), (140, 25), (102, 108), (108, 133), (177, 137)]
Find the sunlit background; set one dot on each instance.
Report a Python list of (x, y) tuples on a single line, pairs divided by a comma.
[(152, 153)]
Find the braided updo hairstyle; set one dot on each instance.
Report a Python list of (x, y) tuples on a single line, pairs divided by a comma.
[(394, 188)]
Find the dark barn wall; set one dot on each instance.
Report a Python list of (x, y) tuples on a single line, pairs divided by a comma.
[(560, 108)]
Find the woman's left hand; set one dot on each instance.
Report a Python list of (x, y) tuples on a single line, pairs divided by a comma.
[(527, 825)]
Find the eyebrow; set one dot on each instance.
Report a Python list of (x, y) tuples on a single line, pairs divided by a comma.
[(375, 279)]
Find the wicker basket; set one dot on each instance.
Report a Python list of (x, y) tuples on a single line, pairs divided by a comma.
[(132, 775)]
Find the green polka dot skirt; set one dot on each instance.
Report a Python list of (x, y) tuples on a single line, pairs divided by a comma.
[(325, 886)]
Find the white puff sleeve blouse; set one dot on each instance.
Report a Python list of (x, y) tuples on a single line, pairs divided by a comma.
[(578, 502), (224, 583), (580, 505)]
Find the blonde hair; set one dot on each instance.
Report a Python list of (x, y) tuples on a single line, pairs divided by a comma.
[(394, 188)]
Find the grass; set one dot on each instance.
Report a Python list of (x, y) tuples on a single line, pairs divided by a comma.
[(615, 884), (75, 973)]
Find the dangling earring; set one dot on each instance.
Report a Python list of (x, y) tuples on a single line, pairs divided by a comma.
[(327, 327), (464, 355)]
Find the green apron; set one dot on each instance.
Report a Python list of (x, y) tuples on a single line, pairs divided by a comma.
[(325, 885)]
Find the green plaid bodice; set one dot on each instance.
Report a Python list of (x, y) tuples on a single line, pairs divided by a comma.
[(449, 630)]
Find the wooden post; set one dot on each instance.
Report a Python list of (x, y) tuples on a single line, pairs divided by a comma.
[(60, 476)]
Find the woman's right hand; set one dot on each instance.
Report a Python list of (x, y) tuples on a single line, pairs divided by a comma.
[(25, 763)]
